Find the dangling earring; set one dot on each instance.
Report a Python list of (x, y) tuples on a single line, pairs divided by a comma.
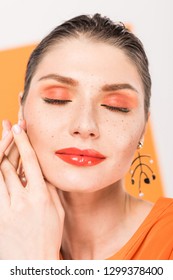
[(143, 169)]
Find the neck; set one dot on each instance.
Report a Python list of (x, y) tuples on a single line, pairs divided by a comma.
[(90, 220)]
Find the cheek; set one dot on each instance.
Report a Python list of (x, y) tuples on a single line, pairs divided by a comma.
[(123, 137), (38, 126), (41, 137), (124, 130), (45, 132)]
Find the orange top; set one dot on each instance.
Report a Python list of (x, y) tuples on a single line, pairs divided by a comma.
[(154, 238)]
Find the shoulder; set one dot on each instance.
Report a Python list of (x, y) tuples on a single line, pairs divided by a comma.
[(161, 217), (161, 208), (157, 231), (157, 217), (164, 206)]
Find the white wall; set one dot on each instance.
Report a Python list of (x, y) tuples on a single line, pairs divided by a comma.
[(23, 22)]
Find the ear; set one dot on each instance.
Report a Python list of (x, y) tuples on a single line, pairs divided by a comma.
[(20, 112), (21, 120)]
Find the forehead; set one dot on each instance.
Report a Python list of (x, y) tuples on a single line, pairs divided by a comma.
[(87, 60)]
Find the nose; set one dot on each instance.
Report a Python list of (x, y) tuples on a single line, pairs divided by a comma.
[(84, 123)]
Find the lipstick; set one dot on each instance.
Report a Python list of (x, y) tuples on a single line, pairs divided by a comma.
[(74, 156)]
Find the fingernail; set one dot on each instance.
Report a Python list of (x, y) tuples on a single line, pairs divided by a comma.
[(16, 129), (5, 130), (20, 122), (3, 123), (5, 133), (6, 124)]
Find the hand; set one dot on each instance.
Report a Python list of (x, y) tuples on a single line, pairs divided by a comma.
[(31, 218)]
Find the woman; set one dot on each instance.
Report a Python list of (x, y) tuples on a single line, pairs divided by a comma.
[(82, 116)]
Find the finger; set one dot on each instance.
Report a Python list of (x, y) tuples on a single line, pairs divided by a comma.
[(4, 195), (11, 179), (5, 143), (6, 127), (22, 123), (13, 155), (29, 160), (56, 199), (12, 151)]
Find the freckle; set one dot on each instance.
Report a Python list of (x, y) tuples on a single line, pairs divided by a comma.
[(52, 136)]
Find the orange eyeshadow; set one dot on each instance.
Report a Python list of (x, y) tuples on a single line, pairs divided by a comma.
[(55, 92), (121, 100)]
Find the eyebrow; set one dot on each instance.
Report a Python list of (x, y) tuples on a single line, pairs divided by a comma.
[(115, 87), (61, 79), (71, 82)]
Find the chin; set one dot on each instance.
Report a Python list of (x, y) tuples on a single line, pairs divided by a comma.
[(80, 185), (81, 180)]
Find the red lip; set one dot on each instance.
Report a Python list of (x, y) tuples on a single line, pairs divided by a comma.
[(79, 157)]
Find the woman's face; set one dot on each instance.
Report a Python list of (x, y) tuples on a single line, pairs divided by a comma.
[(85, 114)]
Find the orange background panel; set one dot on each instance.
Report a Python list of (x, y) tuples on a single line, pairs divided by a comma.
[(12, 70)]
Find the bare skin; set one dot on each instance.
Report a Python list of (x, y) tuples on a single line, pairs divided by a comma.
[(118, 223), (31, 218), (104, 224), (100, 217)]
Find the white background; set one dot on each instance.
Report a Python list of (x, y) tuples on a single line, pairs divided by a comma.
[(27, 21), (83, 269)]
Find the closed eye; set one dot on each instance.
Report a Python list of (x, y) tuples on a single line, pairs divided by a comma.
[(56, 101), (119, 109)]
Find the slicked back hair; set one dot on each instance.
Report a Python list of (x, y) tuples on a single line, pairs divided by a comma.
[(100, 29)]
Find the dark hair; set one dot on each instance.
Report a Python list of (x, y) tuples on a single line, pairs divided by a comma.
[(100, 29)]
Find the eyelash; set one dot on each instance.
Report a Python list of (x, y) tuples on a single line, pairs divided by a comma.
[(63, 102), (56, 101), (119, 109)]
